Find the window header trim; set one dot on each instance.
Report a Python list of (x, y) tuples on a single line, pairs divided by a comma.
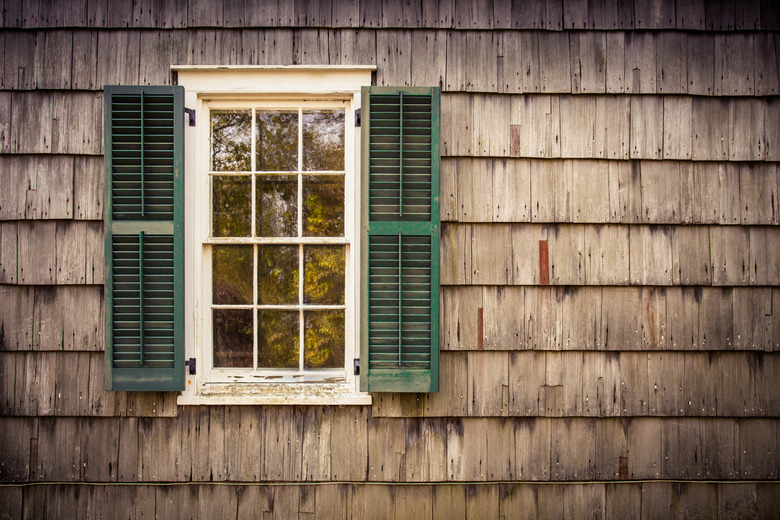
[(258, 79)]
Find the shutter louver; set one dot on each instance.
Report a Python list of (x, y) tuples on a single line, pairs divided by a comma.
[(400, 259), (144, 238)]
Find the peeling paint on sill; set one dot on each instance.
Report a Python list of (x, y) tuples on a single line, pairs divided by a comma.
[(330, 393)]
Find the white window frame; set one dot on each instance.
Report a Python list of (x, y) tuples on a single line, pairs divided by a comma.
[(218, 86)]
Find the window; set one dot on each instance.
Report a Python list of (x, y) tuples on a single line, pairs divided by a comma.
[(307, 243), (274, 307), (278, 240)]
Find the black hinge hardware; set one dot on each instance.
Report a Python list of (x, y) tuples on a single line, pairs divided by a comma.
[(190, 364), (190, 112), (357, 117), (357, 366)]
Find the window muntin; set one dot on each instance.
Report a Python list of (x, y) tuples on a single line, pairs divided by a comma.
[(278, 242)]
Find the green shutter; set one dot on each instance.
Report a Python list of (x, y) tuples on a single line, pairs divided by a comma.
[(400, 226), (144, 237)]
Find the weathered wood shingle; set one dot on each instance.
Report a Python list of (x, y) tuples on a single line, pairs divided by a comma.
[(609, 318)]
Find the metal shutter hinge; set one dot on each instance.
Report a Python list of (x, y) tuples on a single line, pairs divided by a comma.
[(190, 112), (357, 117), (357, 366), (190, 364)]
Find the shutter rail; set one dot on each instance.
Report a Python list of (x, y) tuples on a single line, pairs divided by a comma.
[(141, 298), (401, 158), (400, 306), (143, 176)]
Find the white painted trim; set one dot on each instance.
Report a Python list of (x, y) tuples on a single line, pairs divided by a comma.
[(303, 80), (336, 68)]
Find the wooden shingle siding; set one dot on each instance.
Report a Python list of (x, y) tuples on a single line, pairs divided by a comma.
[(537, 14), (535, 500), (507, 254), (161, 449), (37, 318), (598, 384), (649, 192), (617, 318), (51, 122), (512, 62), (70, 384), (64, 252), (37, 187), (609, 127)]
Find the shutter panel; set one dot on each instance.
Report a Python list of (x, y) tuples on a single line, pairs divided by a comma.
[(400, 253), (144, 237)]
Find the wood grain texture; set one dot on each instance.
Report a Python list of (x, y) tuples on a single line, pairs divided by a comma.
[(359, 500), (55, 252), (496, 61), (610, 127), (71, 384), (597, 384), (647, 125), (538, 14), (39, 318), (528, 449), (483, 254), (38, 187), (610, 318), (55, 122)]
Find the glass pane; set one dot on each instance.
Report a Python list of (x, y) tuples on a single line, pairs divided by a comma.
[(277, 275), (231, 204), (323, 140), (277, 205), (278, 339), (233, 338), (231, 140), (323, 272), (277, 140), (323, 205), (324, 339), (231, 273)]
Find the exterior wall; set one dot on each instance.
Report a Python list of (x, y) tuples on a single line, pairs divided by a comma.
[(610, 268)]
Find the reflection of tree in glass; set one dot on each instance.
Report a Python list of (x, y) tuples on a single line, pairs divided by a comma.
[(323, 140), (323, 273), (231, 206), (277, 205), (277, 140), (324, 339), (232, 274), (278, 339), (323, 205), (231, 140), (233, 338), (277, 275)]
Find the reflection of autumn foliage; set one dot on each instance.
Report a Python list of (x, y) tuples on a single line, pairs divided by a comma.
[(277, 140), (233, 338), (323, 140), (232, 274), (323, 274), (324, 339), (276, 197), (277, 275), (323, 205), (231, 140), (231, 206), (278, 339)]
